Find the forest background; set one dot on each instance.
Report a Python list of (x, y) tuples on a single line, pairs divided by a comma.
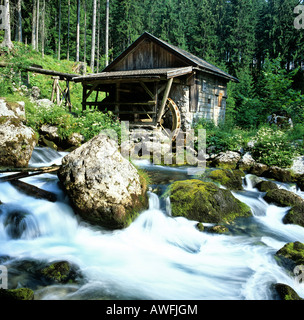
[(256, 41)]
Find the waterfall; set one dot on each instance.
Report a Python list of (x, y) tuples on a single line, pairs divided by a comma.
[(157, 257)]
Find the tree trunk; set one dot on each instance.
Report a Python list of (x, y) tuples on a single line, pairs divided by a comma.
[(69, 14), (59, 31), (19, 24), (78, 31), (43, 29), (37, 25), (93, 36), (85, 32), (107, 32), (7, 41), (98, 36), (34, 25)]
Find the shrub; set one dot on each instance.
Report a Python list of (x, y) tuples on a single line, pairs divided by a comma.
[(273, 148)]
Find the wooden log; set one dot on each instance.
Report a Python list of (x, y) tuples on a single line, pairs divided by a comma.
[(33, 191), (164, 101), (38, 169), (25, 174)]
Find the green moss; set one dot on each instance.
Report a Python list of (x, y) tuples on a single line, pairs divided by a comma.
[(205, 202), (285, 292), (58, 271), (231, 179), (283, 198), (200, 226), (265, 186), (293, 251), (295, 215), (17, 294)]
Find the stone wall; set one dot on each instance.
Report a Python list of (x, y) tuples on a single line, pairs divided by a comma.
[(212, 95), (211, 98)]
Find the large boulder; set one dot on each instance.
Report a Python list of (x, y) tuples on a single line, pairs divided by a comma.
[(205, 202), (104, 188), (17, 141)]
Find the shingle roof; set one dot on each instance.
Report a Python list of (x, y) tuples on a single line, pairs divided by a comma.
[(184, 55)]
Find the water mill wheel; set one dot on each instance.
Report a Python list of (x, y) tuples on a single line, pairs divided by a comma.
[(171, 119)]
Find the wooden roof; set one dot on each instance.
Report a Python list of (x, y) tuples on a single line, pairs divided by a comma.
[(188, 58), (166, 73)]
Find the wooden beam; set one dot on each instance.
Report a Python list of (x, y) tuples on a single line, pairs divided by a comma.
[(116, 103), (91, 90), (164, 101), (147, 90)]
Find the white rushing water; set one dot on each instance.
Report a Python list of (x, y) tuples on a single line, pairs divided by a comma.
[(157, 257)]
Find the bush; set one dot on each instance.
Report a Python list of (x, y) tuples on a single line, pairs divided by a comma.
[(89, 124), (224, 137), (273, 148)]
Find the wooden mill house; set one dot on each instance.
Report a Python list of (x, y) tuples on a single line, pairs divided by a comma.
[(153, 83)]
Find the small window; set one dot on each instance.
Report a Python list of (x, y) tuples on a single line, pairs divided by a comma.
[(220, 99)]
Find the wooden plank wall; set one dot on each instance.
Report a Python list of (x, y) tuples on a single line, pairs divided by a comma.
[(148, 55)]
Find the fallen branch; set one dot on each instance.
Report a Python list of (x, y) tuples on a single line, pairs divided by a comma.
[(41, 169), (34, 191)]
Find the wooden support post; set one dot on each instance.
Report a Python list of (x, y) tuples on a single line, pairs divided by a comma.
[(164, 101), (56, 90), (84, 97), (58, 100), (68, 99)]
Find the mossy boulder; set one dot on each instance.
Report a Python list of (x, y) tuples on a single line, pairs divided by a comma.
[(205, 202), (231, 179), (258, 169), (285, 292), (300, 181), (265, 186), (16, 294), (60, 272), (295, 215), (291, 255), (283, 198), (279, 174)]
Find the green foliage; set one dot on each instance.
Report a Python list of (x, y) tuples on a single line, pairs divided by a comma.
[(273, 148), (89, 124), (278, 96), (224, 137)]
